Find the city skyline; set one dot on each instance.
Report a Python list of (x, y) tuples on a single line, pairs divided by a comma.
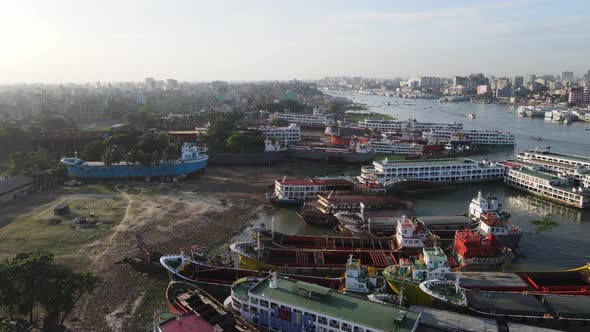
[(66, 41)]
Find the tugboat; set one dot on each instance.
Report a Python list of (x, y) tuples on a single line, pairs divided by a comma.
[(508, 234), (480, 205), (404, 278), (494, 220), (472, 250)]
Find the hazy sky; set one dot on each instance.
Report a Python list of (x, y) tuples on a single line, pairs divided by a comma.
[(125, 40)]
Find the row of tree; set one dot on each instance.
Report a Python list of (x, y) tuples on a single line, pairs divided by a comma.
[(132, 145), (31, 281), (225, 136)]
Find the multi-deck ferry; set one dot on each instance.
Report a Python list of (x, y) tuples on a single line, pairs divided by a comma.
[(476, 137), (432, 170)]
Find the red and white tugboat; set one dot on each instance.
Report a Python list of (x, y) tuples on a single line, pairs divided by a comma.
[(492, 219), (474, 251)]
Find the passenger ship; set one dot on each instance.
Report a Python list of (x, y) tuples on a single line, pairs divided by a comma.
[(433, 170), (279, 303), (297, 191), (396, 147), (481, 137), (558, 187), (407, 125)]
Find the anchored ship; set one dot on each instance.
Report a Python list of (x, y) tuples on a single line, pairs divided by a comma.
[(494, 220), (190, 162), (473, 251)]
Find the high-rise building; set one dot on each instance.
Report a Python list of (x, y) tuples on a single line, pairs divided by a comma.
[(579, 96), (171, 83), (567, 75), (517, 81), (529, 78), (150, 83), (429, 82)]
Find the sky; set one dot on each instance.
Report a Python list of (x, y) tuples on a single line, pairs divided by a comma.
[(128, 40)]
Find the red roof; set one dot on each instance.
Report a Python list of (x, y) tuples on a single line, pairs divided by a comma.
[(186, 323)]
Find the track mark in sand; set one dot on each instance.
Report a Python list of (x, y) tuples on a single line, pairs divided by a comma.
[(122, 226)]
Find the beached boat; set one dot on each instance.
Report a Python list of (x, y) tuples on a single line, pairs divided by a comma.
[(196, 310)]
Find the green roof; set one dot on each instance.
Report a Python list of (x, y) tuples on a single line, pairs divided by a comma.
[(568, 156), (353, 309), (541, 175), (419, 162)]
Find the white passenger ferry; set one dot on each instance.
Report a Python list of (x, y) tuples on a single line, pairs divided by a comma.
[(479, 137), (557, 187), (432, 170), (278, 303), (396, 147), (407, 125)]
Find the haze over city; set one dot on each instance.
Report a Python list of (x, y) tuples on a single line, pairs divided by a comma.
[(81, 41)]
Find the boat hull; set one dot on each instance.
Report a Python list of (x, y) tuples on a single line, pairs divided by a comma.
[(137, 171)]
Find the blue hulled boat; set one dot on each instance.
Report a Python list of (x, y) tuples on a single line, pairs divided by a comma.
[(191, 161)]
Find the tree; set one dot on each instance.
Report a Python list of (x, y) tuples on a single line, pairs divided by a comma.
[(29, 163), (93, 151), (218, 133), (57, 123), (32, 279), (246, 141), (13, 139)]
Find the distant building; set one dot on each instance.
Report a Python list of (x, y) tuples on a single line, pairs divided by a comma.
[(505, 92), (529, 79), (459, 80), (567, 75), (305, 120), (482, 89), (429, 82), (171, 83), (517, 81), (579, 96), (289, 134)]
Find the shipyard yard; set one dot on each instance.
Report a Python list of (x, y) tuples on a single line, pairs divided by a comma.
[(207, 210)]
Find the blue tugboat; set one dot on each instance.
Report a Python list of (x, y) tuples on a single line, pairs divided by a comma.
[(191, 161)]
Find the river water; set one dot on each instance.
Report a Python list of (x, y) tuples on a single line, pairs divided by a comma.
[(564, 246)]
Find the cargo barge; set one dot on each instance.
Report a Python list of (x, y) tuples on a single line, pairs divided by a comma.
[(184, 268)]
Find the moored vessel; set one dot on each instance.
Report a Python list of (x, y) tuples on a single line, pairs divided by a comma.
[(475, 252), (190, 162), (492, 219)]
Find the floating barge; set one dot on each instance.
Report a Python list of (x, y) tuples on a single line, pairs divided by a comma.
[(183, 268)]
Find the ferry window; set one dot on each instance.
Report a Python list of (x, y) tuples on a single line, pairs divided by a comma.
[(322, 320), (334, 323)]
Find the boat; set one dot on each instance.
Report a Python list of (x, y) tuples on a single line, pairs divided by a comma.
[(362, 279), (196, 310), (476, 252), (317, 255), (404, 278), (411, 234), (545, 297), (280, 303), (190, 162), (480, 205), (471, 116), (537, 138), (507, 233), (376, 224), (412, 187), (184, 268), (297, 191), (492, 219)]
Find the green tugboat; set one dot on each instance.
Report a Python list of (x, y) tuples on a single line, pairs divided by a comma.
[(405, 278)]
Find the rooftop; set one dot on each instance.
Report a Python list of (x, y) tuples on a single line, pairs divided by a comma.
[(541, 175), (565, 156), (365, 199), (428, 162), (317, 182), (14, 182), (353, 309)]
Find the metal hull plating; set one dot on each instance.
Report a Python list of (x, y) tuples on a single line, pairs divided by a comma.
[(136, 171)]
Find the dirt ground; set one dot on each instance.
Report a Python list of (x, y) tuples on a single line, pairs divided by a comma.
[(206, 210)]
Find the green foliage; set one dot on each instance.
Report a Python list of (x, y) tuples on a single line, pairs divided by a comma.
[(32, 279), (218, 133), (246, 141), (13, 139), (93, 151), (133, 146), (544, 225), (29, 163), (56, 123), (145, 118), (291, 106)]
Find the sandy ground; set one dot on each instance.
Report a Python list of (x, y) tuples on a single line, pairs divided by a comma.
[(206, 210)]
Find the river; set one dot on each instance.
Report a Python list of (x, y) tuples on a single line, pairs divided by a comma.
[(565, 246)]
